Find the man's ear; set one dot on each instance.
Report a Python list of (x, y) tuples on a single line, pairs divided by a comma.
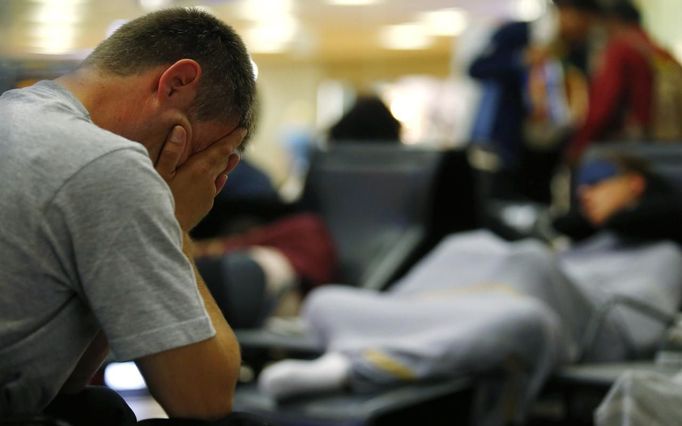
[(178, 84)]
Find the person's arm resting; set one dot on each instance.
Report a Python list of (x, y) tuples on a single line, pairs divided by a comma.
[(197, 380)]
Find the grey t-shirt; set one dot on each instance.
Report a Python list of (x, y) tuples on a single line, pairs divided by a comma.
[(88, 241)]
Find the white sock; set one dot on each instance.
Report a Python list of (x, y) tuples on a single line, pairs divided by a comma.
[(293, 377)]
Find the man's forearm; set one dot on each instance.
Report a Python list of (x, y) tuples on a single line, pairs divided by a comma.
[(224, 333)]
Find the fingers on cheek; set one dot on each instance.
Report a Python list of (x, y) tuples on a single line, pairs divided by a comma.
[(220, 183), (232, 162), (203, 171)]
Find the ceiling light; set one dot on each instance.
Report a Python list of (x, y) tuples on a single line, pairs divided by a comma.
[(405, 37), (530, 10), (352, 2), (444, 22), (265, 10), (154, 4), (54, 25), (58, 11), (271, 37), (53, 39)]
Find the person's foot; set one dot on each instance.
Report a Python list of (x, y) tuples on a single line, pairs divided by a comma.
[(293, 377)]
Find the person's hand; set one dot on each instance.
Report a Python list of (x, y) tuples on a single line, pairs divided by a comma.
[(196, 181), (170, 157)]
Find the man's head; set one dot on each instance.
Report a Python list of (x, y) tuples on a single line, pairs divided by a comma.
[(176, 67), (609, 185), (576, 18)]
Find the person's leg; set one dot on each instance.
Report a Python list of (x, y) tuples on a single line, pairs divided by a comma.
[(234, 419), (94, 405)]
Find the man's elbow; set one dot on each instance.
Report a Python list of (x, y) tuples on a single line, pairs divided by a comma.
[(204, 392), (209, 403), (196, 381)]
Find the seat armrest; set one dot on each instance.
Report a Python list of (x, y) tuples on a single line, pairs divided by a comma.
[(268, 339), (382, 271), (596, 321)]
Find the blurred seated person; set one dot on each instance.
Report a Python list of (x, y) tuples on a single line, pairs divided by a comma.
[(478, 304), (624, 100), (258, 254), (253, 249), (249, 181), (267, 269), (369, 120)]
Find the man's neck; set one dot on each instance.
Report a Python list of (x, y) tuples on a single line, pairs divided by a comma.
[(104, 98), (114, 103)]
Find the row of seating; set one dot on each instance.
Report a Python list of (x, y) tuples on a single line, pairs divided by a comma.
[(386, 206)]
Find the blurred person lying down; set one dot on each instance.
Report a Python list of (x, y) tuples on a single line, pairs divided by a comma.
[(479, 304)]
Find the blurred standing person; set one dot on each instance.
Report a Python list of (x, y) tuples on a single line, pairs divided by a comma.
[(632, 96), (533, 95)]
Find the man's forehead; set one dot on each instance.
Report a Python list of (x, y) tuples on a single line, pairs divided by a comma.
[(206, 133)]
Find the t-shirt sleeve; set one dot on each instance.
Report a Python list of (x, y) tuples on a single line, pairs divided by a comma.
[(114, 225)]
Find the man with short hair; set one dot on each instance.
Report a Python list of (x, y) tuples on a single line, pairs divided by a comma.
[(105, 170)]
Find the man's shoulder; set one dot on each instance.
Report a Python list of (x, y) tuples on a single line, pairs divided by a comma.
[(90, 145), (50, 127), (50, 143), (122, 179), (85, 152)]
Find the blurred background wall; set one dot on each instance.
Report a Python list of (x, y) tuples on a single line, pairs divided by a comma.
[(313, 56)]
